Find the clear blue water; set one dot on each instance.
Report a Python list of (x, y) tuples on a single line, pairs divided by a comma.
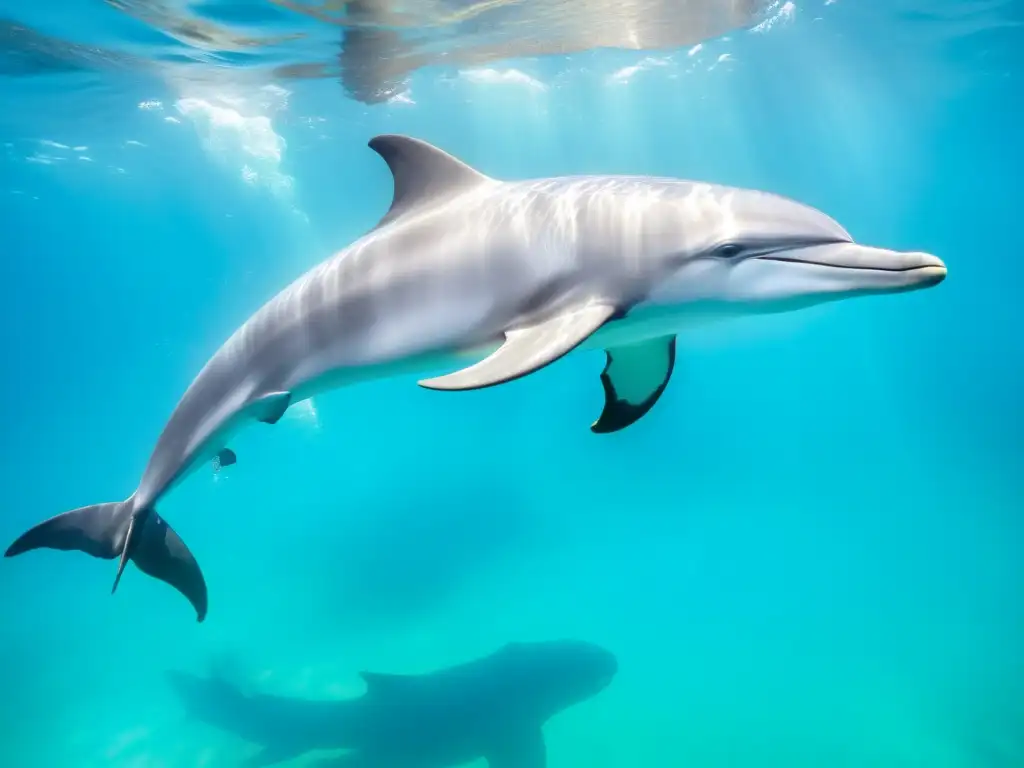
[(809, 553)]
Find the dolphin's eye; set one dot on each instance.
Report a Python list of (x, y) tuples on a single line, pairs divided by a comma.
[(728, 251)]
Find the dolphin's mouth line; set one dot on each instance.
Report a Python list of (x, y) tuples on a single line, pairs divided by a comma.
[(791, 260)]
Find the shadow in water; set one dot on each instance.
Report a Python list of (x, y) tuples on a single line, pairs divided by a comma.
[(492, 707)]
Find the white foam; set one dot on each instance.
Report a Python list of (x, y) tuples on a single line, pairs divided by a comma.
[(404, 97), (504, 77), (782, 12), (624, 75), (237, 131), (722, 59)]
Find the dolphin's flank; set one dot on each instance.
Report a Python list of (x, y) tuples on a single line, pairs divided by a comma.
[(512, 275)]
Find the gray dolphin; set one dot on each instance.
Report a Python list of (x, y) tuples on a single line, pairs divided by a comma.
[(498, 279), (493, 707)]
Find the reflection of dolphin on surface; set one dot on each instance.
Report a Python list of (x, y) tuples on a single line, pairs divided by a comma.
[(383, 41), (494, 708)]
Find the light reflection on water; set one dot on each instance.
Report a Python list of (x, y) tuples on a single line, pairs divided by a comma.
[(369, 45)]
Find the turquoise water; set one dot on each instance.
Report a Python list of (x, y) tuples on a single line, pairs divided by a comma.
[(808, 554)]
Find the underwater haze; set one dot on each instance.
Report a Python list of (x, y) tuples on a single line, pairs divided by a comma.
[(808, 554)]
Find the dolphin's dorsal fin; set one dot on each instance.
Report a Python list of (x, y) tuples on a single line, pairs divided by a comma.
[(421, 172), (382, 682)]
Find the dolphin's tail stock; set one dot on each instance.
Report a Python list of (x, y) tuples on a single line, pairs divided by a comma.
[(118, 530)]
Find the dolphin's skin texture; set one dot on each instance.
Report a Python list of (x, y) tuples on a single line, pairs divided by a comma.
[(497, 279), (494, 708)]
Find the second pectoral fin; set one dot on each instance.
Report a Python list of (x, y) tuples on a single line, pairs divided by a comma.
[(225, 458), (528, 349), (633, 378)]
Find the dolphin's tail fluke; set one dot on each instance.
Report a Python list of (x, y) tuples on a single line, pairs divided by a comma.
[(117, 530)]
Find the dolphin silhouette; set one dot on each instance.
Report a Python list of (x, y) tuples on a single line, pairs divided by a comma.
[(507, 277), (493, 707)]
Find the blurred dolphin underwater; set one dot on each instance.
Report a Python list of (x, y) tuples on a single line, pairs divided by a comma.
[(493, 707)]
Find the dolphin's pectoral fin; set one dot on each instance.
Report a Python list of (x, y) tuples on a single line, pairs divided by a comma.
[(528, 349), (524, 750), (224, 458), (271, 407), (633, 378)]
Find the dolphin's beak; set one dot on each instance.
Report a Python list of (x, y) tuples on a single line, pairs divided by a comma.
[(872, 268)]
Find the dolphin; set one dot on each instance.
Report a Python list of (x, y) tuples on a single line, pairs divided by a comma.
[(497, 279), (493, 707)]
